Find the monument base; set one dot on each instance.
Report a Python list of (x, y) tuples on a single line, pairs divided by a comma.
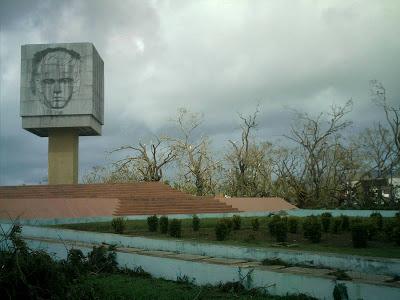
[(63, 155)]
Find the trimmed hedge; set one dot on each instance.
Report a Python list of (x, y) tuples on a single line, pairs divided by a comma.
[(377, 219), (195, 223), (163, 224), (255, 224), (221, 230), (118, 225), (237, 222), (326, 219), (281, 231), (229, 224), (396, 235), (272, 224), (293, 223), (345, 222), (359, 234), (336, 225), (312, 229), (152, 223), (175, 228), (372, 229)]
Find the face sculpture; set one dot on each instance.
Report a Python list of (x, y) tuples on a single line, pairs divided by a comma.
[(56, 76)]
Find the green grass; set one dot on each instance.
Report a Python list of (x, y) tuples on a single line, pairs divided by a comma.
[(330, 243), (117, 286)]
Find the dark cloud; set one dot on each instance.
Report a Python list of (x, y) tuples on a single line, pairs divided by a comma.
[(214, 57)]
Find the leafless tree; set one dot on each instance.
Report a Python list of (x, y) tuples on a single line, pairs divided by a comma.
[(392, 114), (111, 174), (195, 160), (148, 161), (317, 139), (239, 157), (288, 167), (249, 163), (376, 149)]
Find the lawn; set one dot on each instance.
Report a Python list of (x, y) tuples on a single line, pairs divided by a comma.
[(119, 286), (246, 236)]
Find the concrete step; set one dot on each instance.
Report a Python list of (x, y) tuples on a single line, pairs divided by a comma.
[(173, 212), (134, 198)]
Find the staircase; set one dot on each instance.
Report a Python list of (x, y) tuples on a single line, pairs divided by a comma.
[(143, 198)]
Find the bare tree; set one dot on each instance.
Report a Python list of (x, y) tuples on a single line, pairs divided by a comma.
[(317, 139), (392, 114), (289, 169), (376, 148), (239, 157), (249, 163), (195, 161), (148, 161), (111, 174)]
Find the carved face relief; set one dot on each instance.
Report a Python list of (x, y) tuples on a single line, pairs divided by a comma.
[(56, 76)]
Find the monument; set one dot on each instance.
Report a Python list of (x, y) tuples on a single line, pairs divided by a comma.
[(62, 98)]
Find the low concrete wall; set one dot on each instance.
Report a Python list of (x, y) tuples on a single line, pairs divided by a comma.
[(338, 212), (294, 212), (384, 266), (278, 283)]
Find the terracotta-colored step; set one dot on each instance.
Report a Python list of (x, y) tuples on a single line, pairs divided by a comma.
[(170, 212), (134, 198)]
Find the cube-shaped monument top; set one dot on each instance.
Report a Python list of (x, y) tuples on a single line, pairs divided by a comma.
[(62, 85)]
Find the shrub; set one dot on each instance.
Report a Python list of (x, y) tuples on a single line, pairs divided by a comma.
[(34, 274), (312, 229), (75, 264), (372, 229), (237, 222), (163, 224), (272, 224), (281, 230), (388, 227), (340, 292), (359, 234), (102, 259), (293, 224), (326, 221), (229, 224), (250, 238), (152, 223), (396, 235), (195, 223), (221, 230), (345, 222), (377, 219), (255, 224), (175, 228), (118, 225), (336, 225)]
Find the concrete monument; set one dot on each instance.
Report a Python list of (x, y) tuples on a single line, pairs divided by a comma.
[(62, 97)]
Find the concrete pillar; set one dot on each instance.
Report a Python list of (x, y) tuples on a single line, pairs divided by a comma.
[(63, 156)]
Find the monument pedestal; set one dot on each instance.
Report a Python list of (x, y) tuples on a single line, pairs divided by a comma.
[(63, 156)]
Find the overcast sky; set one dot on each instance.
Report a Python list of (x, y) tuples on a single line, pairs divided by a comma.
[(219, 58)]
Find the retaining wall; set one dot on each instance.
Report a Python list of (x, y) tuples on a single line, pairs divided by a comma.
[(294, 212), (278, 283), (384, 266)]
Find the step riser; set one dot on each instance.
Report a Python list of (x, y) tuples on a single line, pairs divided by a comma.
[(134, 199)]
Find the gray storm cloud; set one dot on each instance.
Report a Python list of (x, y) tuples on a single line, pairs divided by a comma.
[(219, 58)]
